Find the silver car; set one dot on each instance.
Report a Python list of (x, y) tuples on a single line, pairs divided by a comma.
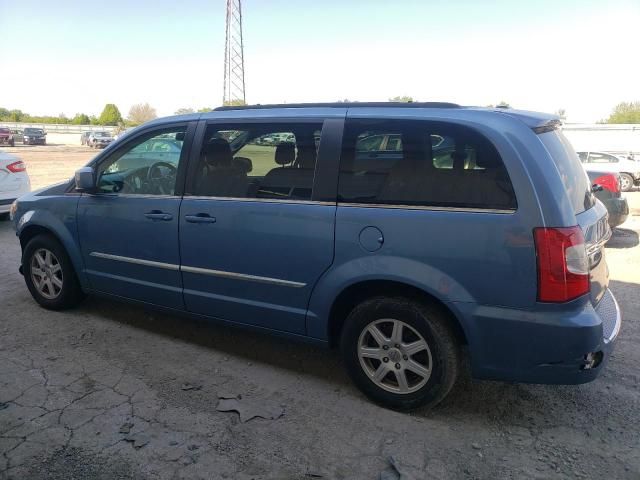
[(629, 170)]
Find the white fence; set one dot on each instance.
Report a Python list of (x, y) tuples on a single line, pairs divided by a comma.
[(58, 127), (622, 139)]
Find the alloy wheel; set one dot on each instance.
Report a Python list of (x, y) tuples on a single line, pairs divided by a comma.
[(395, 356), (46, 273)]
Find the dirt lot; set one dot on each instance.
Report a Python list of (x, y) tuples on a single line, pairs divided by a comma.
[(112, 391)]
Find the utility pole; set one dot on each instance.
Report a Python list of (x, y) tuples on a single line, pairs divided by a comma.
[(234, 56)]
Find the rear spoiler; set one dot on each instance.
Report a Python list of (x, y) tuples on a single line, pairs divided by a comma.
[(549, 126)]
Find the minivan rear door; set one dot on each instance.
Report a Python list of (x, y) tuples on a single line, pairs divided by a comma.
[(590, 213)]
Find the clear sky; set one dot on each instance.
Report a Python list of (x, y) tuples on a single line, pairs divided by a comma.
[(74, 56)]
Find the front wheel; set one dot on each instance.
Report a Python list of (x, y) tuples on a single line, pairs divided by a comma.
[(626, 182), (401, 353), (49, 274)]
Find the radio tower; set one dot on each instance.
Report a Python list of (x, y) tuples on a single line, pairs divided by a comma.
[(233, 56)]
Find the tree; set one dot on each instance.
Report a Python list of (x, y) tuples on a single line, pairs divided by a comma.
[(110, 115), (402, 99), (81, 119), (204, 109), (625, 112), (141, 113), (503, 104), (183, 111)]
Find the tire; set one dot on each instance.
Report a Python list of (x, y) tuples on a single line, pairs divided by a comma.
[(4, 216), (626, 182), (66, 295), (12, 143), (419, 322)]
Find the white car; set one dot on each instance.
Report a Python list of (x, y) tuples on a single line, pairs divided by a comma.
[(14, 181), (629, 170)]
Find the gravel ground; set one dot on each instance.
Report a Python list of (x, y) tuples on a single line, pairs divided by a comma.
[(112, 391)]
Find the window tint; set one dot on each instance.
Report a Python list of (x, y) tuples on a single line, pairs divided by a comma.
[(571, 171), (148, 166), (257, 161), (602, 158), (426, 163)]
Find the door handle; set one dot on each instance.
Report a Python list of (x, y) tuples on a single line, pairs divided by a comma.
[(200, 218), (158, 215)]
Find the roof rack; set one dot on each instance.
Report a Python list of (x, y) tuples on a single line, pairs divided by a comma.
[(341, 105)]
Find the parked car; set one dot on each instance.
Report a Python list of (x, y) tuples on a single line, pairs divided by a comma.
[(629, 170), (607, 188), (14, 181), (18, 135), (6, 137), (99, 139), (84, 138), (404, 264), (34, 136)]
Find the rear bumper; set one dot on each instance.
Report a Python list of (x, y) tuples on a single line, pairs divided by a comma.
[(618, 209), (548, 347)]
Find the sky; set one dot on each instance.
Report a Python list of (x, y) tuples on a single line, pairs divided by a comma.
[(71, 56)]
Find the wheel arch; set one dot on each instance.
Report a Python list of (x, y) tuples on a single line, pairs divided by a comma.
[(358, 292)]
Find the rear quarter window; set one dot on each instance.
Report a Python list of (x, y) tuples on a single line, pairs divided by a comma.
[(575, 179)]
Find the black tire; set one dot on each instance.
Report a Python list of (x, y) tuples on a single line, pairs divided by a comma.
[(626, 182), (70, 294), (12, 143), (4, 216), (431, 323)]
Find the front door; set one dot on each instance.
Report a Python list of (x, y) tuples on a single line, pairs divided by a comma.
[(253, 241), (128, 228)]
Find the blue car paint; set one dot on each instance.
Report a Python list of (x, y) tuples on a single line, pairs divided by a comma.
[(480, 265)]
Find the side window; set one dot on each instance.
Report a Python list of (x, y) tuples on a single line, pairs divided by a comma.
[(262, 161), (424, 164), (147, 166), (583, 156)]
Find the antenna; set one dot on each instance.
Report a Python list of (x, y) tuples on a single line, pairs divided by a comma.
[(234, 56)]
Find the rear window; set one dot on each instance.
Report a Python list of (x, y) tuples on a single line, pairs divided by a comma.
[(575, 179)]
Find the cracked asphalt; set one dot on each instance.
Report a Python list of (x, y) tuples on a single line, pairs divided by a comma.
[(113, 391)]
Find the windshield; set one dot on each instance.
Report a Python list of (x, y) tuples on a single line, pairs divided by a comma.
[(100, 134), (33, 131)]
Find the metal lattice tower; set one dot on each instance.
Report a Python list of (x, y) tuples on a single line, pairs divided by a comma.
[(234, 56)]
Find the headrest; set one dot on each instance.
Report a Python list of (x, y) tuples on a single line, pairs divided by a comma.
[(217, 152), (285, 153), (243, 164)]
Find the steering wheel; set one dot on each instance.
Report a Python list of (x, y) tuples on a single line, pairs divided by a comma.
[(163, 181)]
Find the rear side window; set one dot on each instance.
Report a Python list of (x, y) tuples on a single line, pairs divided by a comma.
[(421, 163), (573, 175)]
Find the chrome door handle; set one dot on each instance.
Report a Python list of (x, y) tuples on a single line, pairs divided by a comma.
[(158, 215), (200, 218)]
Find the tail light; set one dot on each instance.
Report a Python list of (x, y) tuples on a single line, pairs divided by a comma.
[(609, 181), (563, 266), (17, 167)]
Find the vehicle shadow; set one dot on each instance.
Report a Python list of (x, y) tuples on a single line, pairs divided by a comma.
[(623, 238), (507, 403)]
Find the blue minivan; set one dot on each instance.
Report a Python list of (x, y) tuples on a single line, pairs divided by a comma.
[(421, 238)]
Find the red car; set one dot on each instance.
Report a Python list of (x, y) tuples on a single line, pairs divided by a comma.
[(6, 137)]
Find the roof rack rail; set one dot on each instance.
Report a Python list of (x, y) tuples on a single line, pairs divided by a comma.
[(341, 105)]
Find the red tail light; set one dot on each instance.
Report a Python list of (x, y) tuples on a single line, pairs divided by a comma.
[(608, 181), (17, 167), (563, 266)]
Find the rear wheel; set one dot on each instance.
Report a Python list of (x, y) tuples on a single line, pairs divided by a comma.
[(49, 274), (626, 182), (401, 353)]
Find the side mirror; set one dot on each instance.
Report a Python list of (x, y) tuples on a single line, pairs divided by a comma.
[(84, 179)]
